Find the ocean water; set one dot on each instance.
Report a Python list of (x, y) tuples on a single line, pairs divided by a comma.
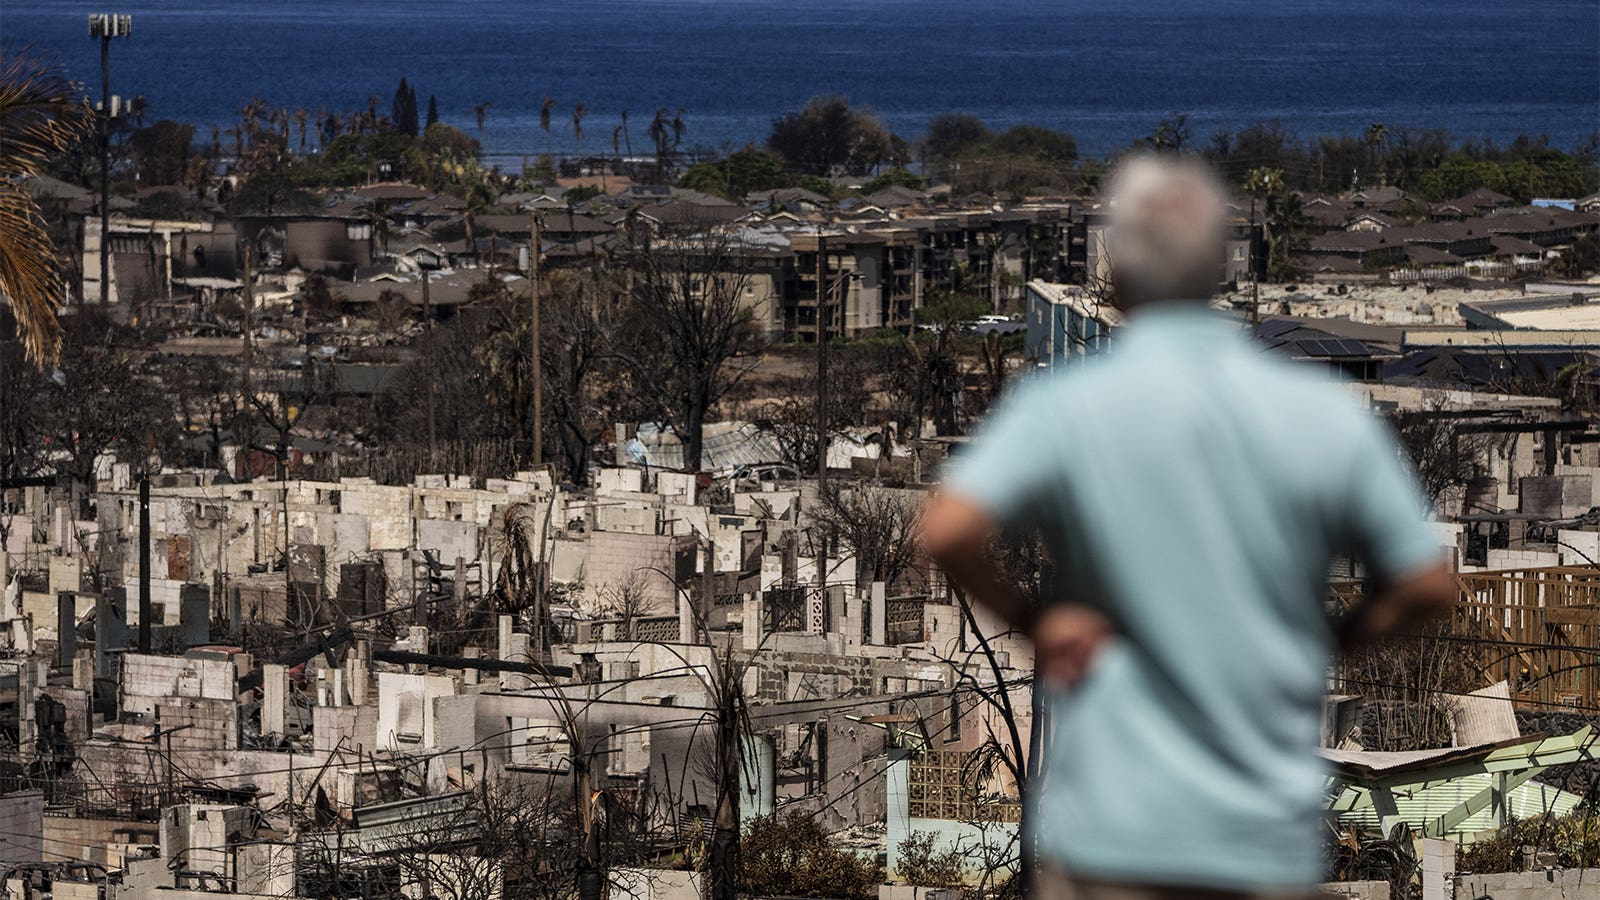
[(1106, 72)]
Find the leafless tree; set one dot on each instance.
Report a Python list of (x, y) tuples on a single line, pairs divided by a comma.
[(876, 524), (1410, 684), (1445, 459), (694, 335), (626, 600)]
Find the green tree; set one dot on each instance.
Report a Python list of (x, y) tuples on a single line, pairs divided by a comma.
[(1461, 174), (1581, 258), (1547, 174), (952, 134), (161, 152), (829, 134), (755, 170), (893, 178), (1375, 136), (1039, 143), (737, 175), (403, 109), (706, 177)]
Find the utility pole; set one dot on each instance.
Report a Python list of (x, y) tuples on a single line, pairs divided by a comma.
[(249, 344), (427, 318), (1255, 287), (105, 27), (822, 361), (144, 561), (537, 362)]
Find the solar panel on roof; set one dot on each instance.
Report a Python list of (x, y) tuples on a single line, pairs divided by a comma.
[(1332, 347), (1276, 328)]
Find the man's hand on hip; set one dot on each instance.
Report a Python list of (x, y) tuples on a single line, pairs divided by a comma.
[(1066, 638)]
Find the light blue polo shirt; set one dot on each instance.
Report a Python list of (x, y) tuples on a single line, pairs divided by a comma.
[(1197, 488)]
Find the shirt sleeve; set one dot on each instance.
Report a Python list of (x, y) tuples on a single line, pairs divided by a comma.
[(1387, 517), (1005, 467)]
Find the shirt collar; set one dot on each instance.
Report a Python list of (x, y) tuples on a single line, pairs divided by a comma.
[(1180, 318)]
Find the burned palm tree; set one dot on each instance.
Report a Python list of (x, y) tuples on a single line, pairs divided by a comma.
[(480, 112), (520, 587), (546, 107), (578, 112), (42, 115), (661, 134)]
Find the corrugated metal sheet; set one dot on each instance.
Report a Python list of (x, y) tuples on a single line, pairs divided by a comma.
[(1485, 717), (1417, 807), (727, 445)]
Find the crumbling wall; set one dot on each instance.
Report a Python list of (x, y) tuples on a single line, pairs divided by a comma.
[(1554, 884), (615, 559), (22, 824)]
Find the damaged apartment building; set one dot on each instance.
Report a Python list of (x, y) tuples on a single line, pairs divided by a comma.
[(263, 688)]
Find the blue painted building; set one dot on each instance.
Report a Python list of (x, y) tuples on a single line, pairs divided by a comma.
[(1066, 322)]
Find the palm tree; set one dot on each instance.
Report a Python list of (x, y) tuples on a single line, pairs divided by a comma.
[(301, 116), (481, 111), (42, 115), (1376, 134), (578, 112), (660, 131), (627, 139), (545, 109)]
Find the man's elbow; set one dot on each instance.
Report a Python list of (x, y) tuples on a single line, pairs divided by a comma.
[(951, 529), (1431, 594)]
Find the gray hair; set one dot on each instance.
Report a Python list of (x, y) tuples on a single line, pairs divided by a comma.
[(1165, 240)]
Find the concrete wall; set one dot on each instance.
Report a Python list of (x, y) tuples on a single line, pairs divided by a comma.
[(98, 840), (22, 825), (1511, 558), (1356, 890), (654, 884), (149, 679), (1558, 884), (615, 557)]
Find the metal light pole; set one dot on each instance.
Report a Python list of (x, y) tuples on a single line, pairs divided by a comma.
[(106, 26)]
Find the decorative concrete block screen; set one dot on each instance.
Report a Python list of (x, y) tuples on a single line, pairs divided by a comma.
[(941, 784)]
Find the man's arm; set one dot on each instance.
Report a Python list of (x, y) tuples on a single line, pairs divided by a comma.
[(955, 533), (1399, 605)]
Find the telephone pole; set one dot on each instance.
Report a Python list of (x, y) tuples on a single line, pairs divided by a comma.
[(144, 558), (427, 318), (822, 361), (105, 27), (537, 362)]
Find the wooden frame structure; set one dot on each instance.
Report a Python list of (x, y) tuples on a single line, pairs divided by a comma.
[(1537, 629)]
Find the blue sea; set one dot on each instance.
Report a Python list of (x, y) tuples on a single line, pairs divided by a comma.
[(1106, 72)]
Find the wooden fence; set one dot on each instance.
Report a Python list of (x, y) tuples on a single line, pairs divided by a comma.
[(1538, 629)]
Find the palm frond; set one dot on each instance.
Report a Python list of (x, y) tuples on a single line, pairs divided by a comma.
[(30, 274), (42, 115)]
